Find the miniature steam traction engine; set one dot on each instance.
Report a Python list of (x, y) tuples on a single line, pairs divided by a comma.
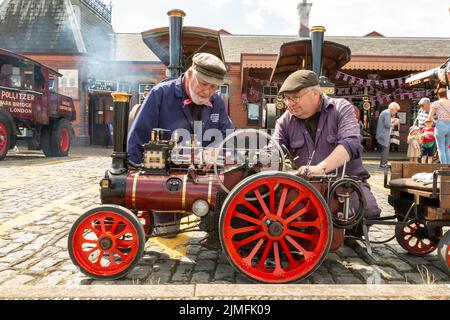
[(273, 226)]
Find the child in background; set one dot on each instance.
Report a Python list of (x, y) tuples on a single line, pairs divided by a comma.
[(414, 139), (428, 142)]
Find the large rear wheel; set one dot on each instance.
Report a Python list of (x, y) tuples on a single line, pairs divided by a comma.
[(280, 238)]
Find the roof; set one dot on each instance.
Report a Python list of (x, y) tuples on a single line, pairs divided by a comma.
[(54, 26), (131, 47), (41, 26), (234, 45)]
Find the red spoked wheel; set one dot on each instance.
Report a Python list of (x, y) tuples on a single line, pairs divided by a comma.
[(64, 140), (444, 252), (280, 238), (106, 242), (415, 238), (4, 140)]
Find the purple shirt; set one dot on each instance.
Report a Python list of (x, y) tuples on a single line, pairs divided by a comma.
[(337, 125)]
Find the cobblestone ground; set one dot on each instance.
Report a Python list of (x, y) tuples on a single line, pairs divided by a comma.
[(41, 198)]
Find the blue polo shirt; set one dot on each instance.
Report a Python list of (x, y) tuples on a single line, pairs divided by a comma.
[(163, 108)]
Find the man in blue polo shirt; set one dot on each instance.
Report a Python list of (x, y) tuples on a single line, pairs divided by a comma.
[(189, 102)]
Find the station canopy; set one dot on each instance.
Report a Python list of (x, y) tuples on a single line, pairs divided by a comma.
[(297, 55), (195, 39)]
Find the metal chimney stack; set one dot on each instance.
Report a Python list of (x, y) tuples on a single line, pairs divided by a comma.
[(176, 42), (317, 39), (121, 109), (304, 10)]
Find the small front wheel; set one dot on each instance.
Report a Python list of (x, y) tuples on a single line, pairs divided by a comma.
[(106, 242)]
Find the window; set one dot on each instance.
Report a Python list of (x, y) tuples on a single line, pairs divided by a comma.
[(270, 93), (253, 113), (144, 89)]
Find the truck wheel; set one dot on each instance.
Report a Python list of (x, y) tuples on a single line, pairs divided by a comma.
[(45, 141), (5, 136), (60, 138)]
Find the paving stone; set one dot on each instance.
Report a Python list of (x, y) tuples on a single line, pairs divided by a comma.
[(9, 248), (224, 272), (4, 275), (347, 280), (140, 273), (205, 265), (44, 265), (193, 249), (17, 257), (19, 280), (182, 273), (200, 277), (53, 278), (321, 277), (207, 255)]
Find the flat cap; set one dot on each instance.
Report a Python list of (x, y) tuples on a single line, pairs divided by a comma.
[(210, 68), (424, 101), (299, 80)]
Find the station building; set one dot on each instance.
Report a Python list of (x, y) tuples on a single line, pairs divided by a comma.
[(76, 38)]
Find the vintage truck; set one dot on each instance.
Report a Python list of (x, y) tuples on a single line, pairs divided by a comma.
[(30, 107)]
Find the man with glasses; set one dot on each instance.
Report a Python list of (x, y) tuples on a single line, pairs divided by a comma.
[(323, 131), (177, 104)]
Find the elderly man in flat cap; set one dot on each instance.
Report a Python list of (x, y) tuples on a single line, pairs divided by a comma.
[(178, 103), (324, 130)]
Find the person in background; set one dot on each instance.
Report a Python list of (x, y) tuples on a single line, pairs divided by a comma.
[(395, 136), (386, 122), (414, 139), (427, 145), (441, 108), (422, 114)]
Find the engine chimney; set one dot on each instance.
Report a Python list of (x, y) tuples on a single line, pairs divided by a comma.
[(121, 109), (317, 39), (304, 10), (176, 42)]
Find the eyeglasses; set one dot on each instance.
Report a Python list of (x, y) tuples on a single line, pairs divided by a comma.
[(205, 85), (295, 99)]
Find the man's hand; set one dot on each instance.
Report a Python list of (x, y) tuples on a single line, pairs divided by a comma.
[(209, 155), (312, 171)]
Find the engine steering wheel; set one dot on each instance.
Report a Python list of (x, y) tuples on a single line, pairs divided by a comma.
[(249, 159)]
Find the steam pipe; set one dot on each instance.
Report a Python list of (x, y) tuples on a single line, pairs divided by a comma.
[(121, 109), (317, 40), (176, 42)]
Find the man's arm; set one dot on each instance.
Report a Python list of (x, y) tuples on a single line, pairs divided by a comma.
[(142, 127), (348, 142), (335, 160)]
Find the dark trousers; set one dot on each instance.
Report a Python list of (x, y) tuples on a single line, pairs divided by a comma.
[(384, 155)]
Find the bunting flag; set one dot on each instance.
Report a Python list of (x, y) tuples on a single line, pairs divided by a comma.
[(387, 84)]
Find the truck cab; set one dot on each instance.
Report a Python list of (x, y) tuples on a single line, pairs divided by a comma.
[(30, 107)]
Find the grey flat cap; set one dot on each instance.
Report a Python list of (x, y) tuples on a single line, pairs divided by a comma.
[(299, 80), (424, 101), (210, 68)]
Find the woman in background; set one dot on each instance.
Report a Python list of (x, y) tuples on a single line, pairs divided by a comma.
[(441, 107)]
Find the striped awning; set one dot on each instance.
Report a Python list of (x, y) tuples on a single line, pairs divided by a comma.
[(386, 65)]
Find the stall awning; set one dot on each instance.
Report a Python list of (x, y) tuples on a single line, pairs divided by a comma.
[(386, 65), (297, 55), (195, 39)]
